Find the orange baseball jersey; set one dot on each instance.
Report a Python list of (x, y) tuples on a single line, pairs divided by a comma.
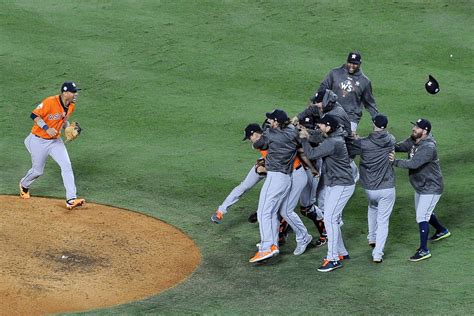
[(296, 163), (52, 113)]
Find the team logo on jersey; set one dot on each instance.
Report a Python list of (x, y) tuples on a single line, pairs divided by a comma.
[(413, 151), (346, 87), (55, 116)]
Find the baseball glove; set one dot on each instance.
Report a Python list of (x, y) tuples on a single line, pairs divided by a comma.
[(260, 167), (72, 131)]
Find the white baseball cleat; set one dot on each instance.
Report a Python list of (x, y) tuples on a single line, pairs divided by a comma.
[(301, 247)]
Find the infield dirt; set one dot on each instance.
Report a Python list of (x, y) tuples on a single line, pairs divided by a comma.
[(54, 260)]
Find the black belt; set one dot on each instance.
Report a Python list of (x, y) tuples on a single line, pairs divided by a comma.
[(299, 167), (43, 137)]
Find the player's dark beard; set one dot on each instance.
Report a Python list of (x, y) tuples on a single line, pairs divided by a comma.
[(414, 136)]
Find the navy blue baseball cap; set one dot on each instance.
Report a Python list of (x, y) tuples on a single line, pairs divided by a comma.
[(423, 124), (329, 120), (380, 120), (278, 115), (354, 58), (308, 122), (432, 86), (250, 129), (318, 97), (69, 86)]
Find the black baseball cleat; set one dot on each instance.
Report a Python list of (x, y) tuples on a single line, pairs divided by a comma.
[(441, 235), (420, 255), (321, 242), (282, 237)]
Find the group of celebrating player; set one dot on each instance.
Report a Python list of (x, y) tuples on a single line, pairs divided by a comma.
[(309, 159)]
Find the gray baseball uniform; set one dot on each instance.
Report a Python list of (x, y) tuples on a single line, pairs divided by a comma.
[(282, 144), (339, 187), (341, 116), (424, 172), (427, 180), (378, 180), (353, 90)]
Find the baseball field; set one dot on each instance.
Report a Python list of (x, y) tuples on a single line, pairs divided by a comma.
[(167, 90)]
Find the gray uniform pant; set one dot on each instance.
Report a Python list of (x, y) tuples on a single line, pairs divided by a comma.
[(308, 195), (335, 200), (287, 210), (40, 149), (380, 208), (321, 194), (274, 191), (234, 196), (313, 192), (425, 204)]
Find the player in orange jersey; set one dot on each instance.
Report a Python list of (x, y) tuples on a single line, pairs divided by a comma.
[(50, 117)]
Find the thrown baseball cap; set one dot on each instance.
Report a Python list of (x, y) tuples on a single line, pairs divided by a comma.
[(250, 129), (380, 120), (354, 58), (278, 115), (330, 121), (423, 124), (69, 86), (432, 85)]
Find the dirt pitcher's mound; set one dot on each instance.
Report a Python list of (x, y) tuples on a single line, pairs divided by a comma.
[(55, 260)]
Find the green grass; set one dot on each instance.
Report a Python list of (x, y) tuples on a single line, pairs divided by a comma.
[(169, 87)]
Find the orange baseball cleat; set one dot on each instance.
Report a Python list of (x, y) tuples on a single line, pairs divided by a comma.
[(217, 217), (24, 192), (73, 203)]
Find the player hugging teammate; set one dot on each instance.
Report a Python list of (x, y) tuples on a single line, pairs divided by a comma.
[(310, 159)]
